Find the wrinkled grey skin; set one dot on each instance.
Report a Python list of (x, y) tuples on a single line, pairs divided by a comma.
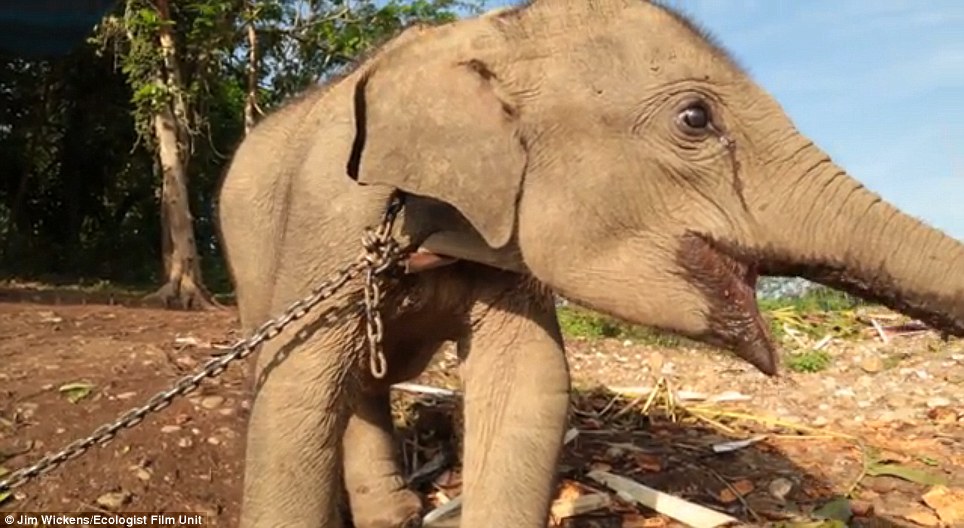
[(563, 142)]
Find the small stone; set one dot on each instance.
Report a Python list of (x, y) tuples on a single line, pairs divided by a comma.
[(862, 508), (50, 317), (212, 402), (113, 500), (780, 488), (845, 392), (882, 484), (141, 473), (872, 364), (207, 510), (185, 442), (820, 421), (61, 430), (186, 362), (938, 401), (28, 410), (167, 429), (126, 395), (227, 411), (213, 440)]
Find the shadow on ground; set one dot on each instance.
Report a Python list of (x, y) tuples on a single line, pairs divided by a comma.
[(760, 485), (188, 457)]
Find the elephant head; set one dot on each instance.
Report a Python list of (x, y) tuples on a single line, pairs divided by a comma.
[(637, 169)]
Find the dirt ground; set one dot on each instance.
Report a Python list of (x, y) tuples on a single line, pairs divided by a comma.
[(883, 424)]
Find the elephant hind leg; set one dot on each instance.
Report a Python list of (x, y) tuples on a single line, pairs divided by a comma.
[(377, 494)]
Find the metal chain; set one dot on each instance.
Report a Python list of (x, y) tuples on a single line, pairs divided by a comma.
[(381, 254)]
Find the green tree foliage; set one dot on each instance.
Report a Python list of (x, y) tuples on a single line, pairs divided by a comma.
[(79, 178)]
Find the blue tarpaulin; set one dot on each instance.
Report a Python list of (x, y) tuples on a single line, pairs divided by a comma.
[(47, 28)]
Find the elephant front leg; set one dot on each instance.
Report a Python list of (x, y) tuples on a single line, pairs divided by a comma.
[(516, 402), (376, 489), (292, 458)]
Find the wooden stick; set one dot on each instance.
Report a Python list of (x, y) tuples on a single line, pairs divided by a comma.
[(880, 331), (686, 512), (425, 389)]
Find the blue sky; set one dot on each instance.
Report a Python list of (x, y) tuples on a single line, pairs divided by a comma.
[(878, 84)]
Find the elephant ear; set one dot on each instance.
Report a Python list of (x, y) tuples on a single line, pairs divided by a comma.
[(431, 120)]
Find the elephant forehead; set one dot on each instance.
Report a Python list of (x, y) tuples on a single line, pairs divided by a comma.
[(634, 40)]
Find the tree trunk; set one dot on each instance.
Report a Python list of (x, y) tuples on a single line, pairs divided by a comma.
[(251, 100), (182, 267)]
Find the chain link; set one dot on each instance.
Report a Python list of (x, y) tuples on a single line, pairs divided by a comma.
[(381, 253)]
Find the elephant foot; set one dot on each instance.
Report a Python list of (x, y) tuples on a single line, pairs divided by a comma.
[(398, 509)]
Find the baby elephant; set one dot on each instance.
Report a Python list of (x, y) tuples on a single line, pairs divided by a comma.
[(605, 150)]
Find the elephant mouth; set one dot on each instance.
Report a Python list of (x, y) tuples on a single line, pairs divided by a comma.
[(728, 282)]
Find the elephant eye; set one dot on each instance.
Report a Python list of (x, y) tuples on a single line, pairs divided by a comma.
[(694, 118)]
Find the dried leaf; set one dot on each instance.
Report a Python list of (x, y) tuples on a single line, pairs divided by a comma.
[(600, 466), (947, 502), (569, 491), (638, 521), (906, 473), (743, 487), (76, 391), (922, 517), (648, 462), (740, 488), (562, 509), (943, 415)]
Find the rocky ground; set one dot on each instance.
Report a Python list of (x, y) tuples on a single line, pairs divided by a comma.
[(861, 433)]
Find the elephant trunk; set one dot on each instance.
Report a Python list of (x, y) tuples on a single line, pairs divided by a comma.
[(832, 230)]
